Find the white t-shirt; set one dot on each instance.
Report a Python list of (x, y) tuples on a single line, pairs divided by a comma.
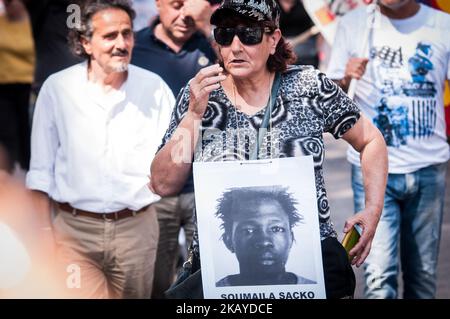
[(94, 149), (402, 89)]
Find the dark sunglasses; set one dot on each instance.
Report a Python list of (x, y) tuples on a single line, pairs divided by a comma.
[(247, 35)]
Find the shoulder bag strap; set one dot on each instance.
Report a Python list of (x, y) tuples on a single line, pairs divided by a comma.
[(267, 114)]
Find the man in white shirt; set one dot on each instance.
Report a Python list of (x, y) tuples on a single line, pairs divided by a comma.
[(400, 87), (96, 128)]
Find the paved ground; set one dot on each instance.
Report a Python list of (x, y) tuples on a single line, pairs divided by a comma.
[(337, 178)]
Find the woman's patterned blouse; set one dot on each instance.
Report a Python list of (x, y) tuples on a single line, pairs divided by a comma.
[(307, 105)]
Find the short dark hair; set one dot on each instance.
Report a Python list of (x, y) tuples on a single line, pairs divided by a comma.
[(284, 54), (238, 197), (85, 29)]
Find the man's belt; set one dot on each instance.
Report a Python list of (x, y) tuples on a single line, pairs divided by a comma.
[(121, 214)]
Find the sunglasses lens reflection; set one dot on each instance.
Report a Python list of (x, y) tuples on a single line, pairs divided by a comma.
[(247, 35)]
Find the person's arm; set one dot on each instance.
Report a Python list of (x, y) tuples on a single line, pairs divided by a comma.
[(344, 64), (368, 141), (343, 119), (41, 178), (200, 11), (44, 144), (171, 165), (354, 69)]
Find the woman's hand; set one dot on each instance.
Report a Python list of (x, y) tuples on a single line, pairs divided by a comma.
[(207, 80), (367, 219), (368, 141)]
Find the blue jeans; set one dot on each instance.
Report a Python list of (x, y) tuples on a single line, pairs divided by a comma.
[(410, 222)]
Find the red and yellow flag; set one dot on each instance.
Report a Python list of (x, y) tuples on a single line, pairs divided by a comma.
[(443, 5)]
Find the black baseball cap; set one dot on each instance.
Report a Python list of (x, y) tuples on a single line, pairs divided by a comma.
[(259, 10)]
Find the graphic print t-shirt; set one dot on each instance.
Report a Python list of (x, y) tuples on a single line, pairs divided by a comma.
[(402, 89)]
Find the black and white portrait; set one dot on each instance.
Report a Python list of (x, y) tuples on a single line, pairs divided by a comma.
[(257, 224), (258, 229)]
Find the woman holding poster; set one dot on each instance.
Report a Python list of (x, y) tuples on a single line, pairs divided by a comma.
[(254, 105)]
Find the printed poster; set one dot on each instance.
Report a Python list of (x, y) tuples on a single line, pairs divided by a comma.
[(326, 13), (258, 229)]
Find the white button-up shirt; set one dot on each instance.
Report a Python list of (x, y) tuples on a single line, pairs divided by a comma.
[(94, 149)]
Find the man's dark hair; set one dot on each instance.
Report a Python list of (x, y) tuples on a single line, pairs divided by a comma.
[(85, 29), (233, 200)]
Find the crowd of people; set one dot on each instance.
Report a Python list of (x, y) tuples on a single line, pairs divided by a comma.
[(119, 114)]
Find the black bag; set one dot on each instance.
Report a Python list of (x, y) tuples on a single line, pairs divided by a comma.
[(189, 282), (338, 272), (187, 286)]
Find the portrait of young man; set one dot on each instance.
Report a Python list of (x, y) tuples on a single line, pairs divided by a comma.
[(257, 224), (258, 230)]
